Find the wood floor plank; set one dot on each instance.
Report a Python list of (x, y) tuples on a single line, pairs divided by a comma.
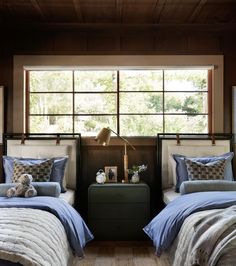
[(121, 253), (91, 252), (85, 262), (106, 252), (124, 252), (105, 261), (141, 252), (125, 262), (144, 262)]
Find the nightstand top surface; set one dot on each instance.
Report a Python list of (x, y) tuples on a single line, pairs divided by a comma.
[(141, 184)]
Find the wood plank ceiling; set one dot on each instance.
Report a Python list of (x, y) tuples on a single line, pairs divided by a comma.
[(110, 13)]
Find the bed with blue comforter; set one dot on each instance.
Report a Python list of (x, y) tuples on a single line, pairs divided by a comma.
[(40, 231), (200, 227)]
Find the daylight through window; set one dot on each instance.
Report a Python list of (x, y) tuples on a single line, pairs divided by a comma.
[(131, 102)]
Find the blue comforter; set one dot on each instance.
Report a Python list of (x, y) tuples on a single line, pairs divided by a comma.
[(77, 232), (165, 226)]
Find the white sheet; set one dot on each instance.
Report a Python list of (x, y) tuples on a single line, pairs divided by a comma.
[(68, 196), (169, 195)]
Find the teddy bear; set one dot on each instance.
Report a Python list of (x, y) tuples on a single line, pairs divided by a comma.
[(23, 187)]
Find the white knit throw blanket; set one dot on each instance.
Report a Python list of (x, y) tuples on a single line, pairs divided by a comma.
[(32, 237), (206, 239)]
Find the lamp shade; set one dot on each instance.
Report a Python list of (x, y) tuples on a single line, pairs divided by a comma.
[(103, 136)]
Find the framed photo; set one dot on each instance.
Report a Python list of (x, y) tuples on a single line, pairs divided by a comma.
[(111, 174)]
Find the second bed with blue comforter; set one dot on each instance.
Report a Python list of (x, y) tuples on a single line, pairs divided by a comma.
[(214, 226)]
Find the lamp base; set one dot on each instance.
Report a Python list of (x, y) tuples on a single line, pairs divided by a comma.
[(126, 179)]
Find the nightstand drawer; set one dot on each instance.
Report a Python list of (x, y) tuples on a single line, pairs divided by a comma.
[(118, 211), (118, 230), (118, 193)]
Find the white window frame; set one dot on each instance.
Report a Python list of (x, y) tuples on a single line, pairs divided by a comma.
[(22, 63)]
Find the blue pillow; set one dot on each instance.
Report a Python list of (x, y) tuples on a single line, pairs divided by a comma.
[(57, 174), (58, 171), (207, 185), (51, 189), (181, 168)]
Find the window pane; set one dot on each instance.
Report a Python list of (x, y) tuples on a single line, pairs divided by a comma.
[(50, 81), (50, 124), (141, 102), (94, 103), (141, 80), (91, 125), (51, 103), (147, 100), (185, 80), (141, 125), (190, 102), (96, 80), (186, 123)]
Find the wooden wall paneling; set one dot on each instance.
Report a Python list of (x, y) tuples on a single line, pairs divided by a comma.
[(27, 42), (234, 111), (137, 42), (204, 43), (2, 108), (1, 128), (229, 44), (95, 158), (71, 41), (233, 115), (6, 43), (103, 42), (6, 79), (171, 41), (1, 169)]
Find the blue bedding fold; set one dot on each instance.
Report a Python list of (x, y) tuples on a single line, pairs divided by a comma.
[(165, 226), (77, 232)]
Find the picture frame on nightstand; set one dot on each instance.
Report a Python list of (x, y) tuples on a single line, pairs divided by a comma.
[(111, 174)]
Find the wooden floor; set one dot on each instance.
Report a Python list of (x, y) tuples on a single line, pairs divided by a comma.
[(121, 253)]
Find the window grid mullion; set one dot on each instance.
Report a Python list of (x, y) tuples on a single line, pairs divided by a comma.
[(27, 101), (73, 101), (118, 102), (109, 114), (163, 101)]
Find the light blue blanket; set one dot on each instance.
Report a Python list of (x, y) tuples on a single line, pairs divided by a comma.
[(165, 226), (77, 232)]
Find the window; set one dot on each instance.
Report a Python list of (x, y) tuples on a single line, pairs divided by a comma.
[(131, 102)]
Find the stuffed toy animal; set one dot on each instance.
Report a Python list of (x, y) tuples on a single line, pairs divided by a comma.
[(23, 188)]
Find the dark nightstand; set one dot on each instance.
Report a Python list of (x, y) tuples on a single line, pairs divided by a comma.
[(118, 211)]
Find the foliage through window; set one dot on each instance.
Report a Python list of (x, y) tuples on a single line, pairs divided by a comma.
[(131, 102)]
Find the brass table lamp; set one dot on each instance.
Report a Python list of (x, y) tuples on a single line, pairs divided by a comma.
[(103, 138)]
